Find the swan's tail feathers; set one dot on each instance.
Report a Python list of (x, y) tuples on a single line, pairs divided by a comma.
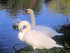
[(58, 46), (60, 34)]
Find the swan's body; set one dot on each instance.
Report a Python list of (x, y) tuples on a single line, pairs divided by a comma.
[(50, 32), (36, 39)]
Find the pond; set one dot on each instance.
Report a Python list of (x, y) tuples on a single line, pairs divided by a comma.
[(51, 13)]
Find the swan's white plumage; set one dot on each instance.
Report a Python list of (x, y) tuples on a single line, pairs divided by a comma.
[(36, 39), (39, 40), (47, 30), (20, 36)]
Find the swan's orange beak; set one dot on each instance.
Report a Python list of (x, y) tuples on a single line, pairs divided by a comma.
[(21, 30), (25, 13)]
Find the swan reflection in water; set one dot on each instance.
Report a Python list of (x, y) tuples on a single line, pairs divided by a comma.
[(15, 24)]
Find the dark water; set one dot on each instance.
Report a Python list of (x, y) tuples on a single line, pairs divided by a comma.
[(52, 13)]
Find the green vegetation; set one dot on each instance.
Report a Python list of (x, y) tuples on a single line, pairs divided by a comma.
[(53, 50), (60, 6)]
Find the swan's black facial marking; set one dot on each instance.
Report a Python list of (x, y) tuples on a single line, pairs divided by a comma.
[(20, 29), (26, 11)]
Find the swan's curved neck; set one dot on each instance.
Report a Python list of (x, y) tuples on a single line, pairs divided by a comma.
[(20, 26), (32, 19), (24, 23)]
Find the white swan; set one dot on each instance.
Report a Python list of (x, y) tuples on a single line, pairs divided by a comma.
[(37, 39), (50, 32)]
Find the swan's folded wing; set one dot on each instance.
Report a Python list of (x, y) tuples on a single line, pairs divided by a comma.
[(34, 37), (47, 30)]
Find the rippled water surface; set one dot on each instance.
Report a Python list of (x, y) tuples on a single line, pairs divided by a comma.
[(52, 13)]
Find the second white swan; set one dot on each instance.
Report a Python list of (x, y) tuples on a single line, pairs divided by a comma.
[(47, 30)]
